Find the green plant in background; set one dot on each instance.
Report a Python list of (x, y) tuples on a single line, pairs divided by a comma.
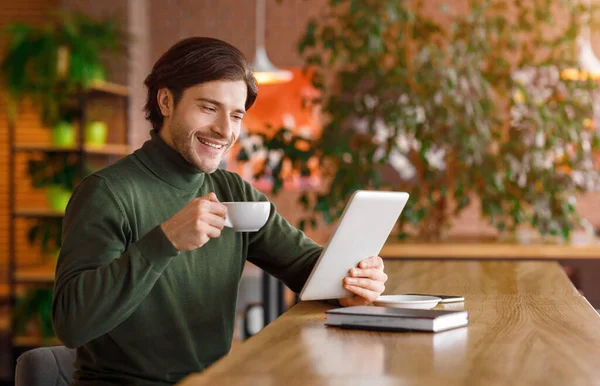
[(48, 232), (58, 172), (412, 104), (51, 66), (49, 63), (34, 307), (54, 169)]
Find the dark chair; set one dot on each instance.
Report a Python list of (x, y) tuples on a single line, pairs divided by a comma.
[(45, 366)]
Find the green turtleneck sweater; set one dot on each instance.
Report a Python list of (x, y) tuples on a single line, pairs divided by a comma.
[(137, 310)]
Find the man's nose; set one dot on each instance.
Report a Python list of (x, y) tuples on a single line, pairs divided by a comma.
[(222, 126)]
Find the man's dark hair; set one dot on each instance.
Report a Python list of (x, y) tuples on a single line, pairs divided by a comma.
[(193, 61)]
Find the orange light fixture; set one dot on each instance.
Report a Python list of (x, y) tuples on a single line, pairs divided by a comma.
[(264, 71)]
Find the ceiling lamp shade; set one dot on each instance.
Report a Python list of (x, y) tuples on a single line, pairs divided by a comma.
[(264, 71)]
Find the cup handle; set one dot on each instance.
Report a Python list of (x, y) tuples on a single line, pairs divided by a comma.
[(228, 222)]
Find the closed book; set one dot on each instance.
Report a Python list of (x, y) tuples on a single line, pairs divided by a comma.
[(396, 319)]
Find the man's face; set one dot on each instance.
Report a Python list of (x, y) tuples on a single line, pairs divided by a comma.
[(206, 121)]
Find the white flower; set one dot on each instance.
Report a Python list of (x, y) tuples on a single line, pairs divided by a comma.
[(287, 135), (522, 180), (379, 154), (382, 133), (420, 114), (540, 139), (361, 125), (347, 158), (289, 121), (416, 144), (260, 155), (498, 180), (469, 109), (403, 143), (274, 158), (370, 101), (305, 132), (402, 165), (435, 158), (585, 144), (437, 98)]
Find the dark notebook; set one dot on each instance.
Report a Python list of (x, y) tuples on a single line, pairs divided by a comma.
[(396, 319)]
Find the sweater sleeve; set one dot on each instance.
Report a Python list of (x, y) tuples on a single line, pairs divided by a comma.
[(101, 277), (281, 249)]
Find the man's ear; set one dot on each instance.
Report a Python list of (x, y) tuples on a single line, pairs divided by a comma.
[(164, 97)]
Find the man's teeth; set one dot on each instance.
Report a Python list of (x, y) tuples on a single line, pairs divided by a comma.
[(211, 144)]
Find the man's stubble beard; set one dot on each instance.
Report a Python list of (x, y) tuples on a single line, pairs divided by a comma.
[(185, 147)]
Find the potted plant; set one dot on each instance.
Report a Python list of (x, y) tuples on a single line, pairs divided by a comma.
[(57, 172), (95, 133), (32, 315), (413, 105), (49, 63), (47, 232)]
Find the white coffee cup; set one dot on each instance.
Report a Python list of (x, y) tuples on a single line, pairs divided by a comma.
[(247, 216)]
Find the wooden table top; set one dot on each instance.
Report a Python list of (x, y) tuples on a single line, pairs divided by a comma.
[(528, 326), (486, 249)]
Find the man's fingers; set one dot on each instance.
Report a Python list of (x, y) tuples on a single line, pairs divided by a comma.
[(211, 197), (371, 285), (372, 273), (372, 262), (213, 232), (218, 209), (213, 220), (371, 296), (211, 204)]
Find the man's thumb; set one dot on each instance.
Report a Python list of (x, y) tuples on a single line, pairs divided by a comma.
[(211, 197)]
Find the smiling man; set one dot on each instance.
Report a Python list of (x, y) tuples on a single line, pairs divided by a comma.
[(147, 278)]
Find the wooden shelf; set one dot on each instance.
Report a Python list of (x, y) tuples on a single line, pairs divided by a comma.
[(109, 88), (108, 149), (35, 274), (37, 213)]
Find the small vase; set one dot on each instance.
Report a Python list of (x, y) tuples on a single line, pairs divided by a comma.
[(95, 133), (58, 198), (63, 61), (63, 134)]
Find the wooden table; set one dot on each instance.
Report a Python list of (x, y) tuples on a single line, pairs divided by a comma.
[(528, 326), (476, 249)]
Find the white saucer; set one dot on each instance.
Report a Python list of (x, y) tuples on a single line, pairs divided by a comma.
[(407, 301)]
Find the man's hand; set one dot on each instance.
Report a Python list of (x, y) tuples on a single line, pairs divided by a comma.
[(366, 282), (196, 223)]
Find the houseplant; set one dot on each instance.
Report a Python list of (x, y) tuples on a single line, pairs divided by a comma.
[(51, 66), (58, 173), (49, 63), (413, 104), (33, 314)]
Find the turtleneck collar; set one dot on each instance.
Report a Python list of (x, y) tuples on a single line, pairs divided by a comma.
[(168, 165)]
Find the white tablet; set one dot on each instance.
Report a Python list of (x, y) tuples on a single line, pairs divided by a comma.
[(363, 228)]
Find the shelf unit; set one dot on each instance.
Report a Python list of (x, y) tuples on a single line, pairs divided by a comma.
[(42, 275)]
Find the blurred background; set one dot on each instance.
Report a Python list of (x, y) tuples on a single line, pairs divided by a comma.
[(485, 111)]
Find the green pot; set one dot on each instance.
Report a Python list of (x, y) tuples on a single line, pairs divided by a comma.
[(95, 74), (63, 134), (95, 133), (58, 197)]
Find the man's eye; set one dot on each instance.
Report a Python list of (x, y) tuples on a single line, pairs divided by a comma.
[(210, 108), (237, 117)]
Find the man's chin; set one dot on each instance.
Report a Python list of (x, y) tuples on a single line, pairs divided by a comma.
[(208, 169)]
